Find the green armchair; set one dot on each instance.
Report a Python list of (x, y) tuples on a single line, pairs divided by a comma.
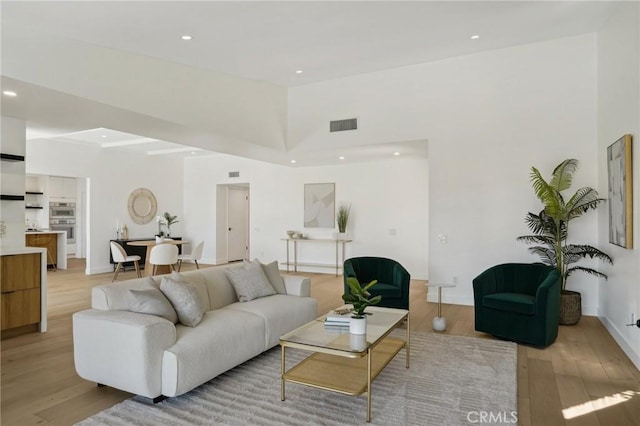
[(393, 279), (519, 302)]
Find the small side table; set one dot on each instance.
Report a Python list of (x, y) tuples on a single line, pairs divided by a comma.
[(439, 323)]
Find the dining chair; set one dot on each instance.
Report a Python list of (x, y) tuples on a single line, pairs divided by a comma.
[(195, 255), (163, 255), (120, 256)]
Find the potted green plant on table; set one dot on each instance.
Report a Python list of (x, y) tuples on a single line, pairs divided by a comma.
[(551, 228), (170, 220), (342, 220), (360, 298)]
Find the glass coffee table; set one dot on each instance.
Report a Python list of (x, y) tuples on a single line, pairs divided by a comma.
[(343, 362)]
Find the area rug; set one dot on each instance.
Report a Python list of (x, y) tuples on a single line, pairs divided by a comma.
[(452, 380)]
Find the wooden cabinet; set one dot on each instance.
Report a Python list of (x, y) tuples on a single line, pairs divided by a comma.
[(48, 241), (20, 298)]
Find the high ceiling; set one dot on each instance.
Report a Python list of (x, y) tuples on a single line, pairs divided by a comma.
[(270, 41)]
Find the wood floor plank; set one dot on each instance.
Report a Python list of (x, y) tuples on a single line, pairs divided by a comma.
[(40, 387), (576, 401), (544, 399)]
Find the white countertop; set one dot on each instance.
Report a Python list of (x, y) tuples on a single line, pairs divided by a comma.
[(44, 232), (21, 250)]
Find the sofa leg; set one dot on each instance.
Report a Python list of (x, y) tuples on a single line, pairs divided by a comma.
[(100, 385), (159, 399)]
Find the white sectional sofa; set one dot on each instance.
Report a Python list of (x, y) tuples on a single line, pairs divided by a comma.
[(151, 356)]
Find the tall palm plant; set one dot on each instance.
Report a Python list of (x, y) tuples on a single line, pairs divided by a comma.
[(551, 226)]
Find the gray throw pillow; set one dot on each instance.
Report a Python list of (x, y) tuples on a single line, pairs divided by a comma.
[(273, 275), (185, 300), (152, 302), (249, 282)]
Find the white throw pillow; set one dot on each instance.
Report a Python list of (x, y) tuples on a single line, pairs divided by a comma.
[(185, 300), (272, 273), (197, 280), (152, 302), (249, 281)]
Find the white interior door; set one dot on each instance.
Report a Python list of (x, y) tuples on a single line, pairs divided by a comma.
[(238, 224)]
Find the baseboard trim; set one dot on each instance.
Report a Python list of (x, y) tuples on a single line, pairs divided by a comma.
[(99, 270), (620, 340)]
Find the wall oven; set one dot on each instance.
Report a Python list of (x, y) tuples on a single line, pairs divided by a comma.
[(66, 225), (62, 210)]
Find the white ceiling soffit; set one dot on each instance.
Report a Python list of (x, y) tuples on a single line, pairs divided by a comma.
[(270, 41), (107, 138)]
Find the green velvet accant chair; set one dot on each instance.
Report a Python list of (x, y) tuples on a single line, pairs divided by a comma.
[(519, 302), (393, 279)]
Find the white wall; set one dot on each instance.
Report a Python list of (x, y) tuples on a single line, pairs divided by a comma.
[(12, 212), (619, 114), (488, 117), (111, 176), (384, 195)]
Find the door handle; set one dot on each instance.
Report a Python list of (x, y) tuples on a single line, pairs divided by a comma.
[(229, 229)]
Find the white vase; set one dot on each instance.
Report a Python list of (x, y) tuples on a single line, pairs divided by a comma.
[(159, 239), (358, 342), (358, 325), (342, 236)]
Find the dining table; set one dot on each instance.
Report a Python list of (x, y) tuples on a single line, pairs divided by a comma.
[(150, 244)]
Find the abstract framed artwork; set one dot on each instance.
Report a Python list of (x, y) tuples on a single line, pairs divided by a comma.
[(319, 205), (620, 192)]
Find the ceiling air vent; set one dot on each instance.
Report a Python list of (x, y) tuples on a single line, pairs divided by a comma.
[(342, 125), (234, 174)]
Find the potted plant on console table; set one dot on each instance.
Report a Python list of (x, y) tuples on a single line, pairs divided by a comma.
[(360, 298)]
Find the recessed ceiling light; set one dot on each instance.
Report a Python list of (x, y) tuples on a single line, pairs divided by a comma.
[(186, 37), (396, 153), (293, 161), (193, 153), (9, 93), (299, 72), (103, 136), (341, 158), (475, 37)]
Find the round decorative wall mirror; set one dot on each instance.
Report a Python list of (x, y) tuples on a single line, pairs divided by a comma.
[(142, 206)]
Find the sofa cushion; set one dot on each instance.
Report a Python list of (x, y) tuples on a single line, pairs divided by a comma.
[(223, 340), (273, 275), (185, 299), (152, 302), (511, 302), (196, 279), (280, 313), (250, 282)]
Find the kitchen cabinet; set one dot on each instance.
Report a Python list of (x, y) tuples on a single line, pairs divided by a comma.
[(20, 300), (45, 240), (62, 188)]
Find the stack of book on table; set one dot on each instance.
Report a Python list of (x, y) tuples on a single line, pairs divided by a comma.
[(338, 319)]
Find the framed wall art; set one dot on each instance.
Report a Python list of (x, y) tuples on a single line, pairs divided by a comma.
[(319, 205), (620, 192)]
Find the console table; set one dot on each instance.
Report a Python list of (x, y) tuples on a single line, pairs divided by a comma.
[(338, 243)]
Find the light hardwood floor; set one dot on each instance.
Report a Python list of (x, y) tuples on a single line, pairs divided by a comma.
[(583, 372)]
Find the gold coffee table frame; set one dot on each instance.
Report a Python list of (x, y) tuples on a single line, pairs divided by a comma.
[(339, 366)]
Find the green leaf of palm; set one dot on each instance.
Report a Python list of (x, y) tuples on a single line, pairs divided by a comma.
[(563, 174), (583, 200), (550, 197)]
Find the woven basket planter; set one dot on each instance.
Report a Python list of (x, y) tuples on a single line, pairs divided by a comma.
[(570, 307)]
